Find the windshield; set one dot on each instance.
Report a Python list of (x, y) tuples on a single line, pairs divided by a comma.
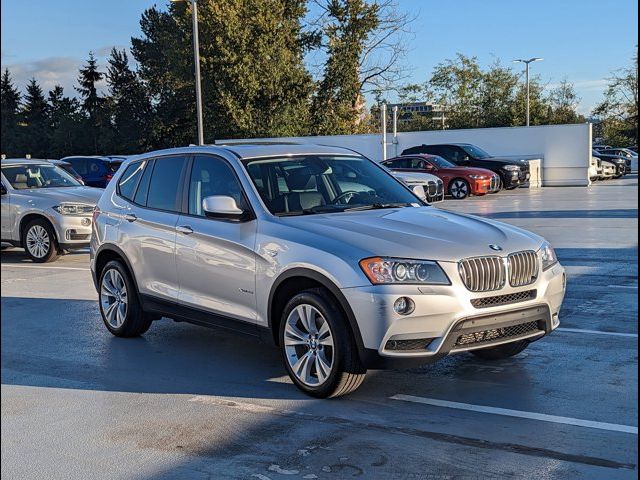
[(475, 152), (23, 177), (326, 183), (441, 162)]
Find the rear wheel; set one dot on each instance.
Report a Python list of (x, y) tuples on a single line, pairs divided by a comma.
[(459, 189), (501, 351), (318, 348), (39, 241), (119, 304)]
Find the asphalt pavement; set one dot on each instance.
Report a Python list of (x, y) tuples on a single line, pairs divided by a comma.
[(188, 402)]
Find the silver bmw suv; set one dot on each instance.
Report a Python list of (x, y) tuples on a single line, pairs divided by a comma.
[(321, 251)]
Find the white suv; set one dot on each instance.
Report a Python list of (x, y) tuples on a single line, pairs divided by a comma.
[(321, 251)]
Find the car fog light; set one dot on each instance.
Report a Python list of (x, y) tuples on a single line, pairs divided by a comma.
[(403, 306), (85, 222)]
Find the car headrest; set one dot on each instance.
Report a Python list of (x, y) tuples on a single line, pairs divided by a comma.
[(301, 179), (20, 178)]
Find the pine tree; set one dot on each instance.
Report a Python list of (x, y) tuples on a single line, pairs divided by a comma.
[(10, 141), (66, 123), (94, 107), (35, 116), (129, 105)]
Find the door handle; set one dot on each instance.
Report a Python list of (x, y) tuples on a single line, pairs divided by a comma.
[(130, 217), (184, 229)]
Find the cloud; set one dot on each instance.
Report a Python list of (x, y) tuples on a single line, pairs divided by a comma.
[(53, 71)]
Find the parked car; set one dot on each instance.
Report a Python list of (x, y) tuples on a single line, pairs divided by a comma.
[(623, 164), (609, 170), (595, 169), (268, 240), (67, 167), (627, 153), (432, 186), (512, 172), (44, 209), (459, 182), (95, 171)]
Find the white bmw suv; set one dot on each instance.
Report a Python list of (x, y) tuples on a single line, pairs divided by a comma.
[(321, 251)]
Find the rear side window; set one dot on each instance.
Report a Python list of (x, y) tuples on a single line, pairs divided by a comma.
[(79, 165), (165, 183), (143, 186), (129, 180)]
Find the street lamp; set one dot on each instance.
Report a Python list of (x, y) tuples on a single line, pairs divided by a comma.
[(527, 62), (196, 61)]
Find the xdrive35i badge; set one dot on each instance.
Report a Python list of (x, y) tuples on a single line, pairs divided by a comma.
[(497, 248)]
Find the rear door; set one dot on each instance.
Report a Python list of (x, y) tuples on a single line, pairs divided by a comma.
[(7, 213), (216, 258), (147, 232)]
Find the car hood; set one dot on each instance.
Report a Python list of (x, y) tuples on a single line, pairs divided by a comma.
[(87, 195), (410, 177), (424, 232)]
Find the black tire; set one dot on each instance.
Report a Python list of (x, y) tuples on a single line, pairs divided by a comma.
[(136, 321), (501, 351), (347, 372), (459, 188), (52, 252)]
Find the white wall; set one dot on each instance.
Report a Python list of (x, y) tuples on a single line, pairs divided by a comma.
[(565, 150)]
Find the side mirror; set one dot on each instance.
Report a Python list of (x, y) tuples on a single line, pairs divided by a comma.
[(4, 190), (219, 206), (418, 190)]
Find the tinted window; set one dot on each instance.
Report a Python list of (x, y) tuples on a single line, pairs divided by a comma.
[(399, 163), (129, 180), (95, 167), (79, 165), (212, 176), (165, 180), (143, 188)]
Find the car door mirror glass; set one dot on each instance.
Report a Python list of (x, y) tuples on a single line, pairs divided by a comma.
[(220, 206)]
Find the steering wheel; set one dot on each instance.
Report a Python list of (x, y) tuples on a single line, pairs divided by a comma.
[(349, 193)]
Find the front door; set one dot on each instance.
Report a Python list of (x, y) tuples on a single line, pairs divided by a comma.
[(215, 258), (7, 214)]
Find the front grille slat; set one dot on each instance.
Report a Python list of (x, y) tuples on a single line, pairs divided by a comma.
[(523, 268), (482, 274)]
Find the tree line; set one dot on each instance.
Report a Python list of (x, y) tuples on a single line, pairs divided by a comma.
[(258, 82)]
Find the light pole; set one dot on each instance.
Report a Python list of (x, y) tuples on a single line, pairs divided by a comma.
[(527, 62), (196, 61)]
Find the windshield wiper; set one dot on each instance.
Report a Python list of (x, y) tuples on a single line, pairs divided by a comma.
[(378, 206)]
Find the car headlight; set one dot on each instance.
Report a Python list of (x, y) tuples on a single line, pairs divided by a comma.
[(511, 168), (479, 177), (74, 209), (548, 254), (398, 270)]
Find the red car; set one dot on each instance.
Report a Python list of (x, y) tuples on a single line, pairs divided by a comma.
[(459, 182)]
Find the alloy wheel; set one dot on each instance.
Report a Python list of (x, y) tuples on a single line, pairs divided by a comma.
[(459, 189), (113, 298), (38, 241), (308, 343)]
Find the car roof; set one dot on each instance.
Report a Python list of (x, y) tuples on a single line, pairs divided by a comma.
[(58, 162), (244, 151), (96, 157), (23, 161)]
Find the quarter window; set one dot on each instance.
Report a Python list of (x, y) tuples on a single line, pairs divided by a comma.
[(129, 180), (165, 182)]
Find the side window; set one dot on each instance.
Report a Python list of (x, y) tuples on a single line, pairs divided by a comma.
[(165, 180), (400, 163), (212, 176), (129, 180), (143, 187), (417, 163), (94, 167), (450, 153), (79, 165)]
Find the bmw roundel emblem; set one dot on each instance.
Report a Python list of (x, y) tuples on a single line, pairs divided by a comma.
[(497, 248)]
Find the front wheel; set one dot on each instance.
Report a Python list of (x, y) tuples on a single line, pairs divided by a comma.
[(39, 241), (501, 351), (119, 305), (459, 189), (318, 348)]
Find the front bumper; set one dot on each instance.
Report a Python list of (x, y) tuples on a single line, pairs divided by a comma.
[(482, 187), (445, 312), (72, 231), (511, 179)]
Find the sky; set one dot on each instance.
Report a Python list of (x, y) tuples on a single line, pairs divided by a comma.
[(581, 40)]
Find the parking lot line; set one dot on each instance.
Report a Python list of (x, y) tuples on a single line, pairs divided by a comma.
[(518, 414), (42, 267), (596, 332), (631, 287)]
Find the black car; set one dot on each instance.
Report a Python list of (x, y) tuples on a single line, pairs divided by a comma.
[(513, 173), (95, 171), (622, 163)]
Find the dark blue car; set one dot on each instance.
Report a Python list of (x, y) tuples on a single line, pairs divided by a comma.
[(95, 171)]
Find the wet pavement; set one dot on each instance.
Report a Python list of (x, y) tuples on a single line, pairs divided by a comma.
[(188, 402)]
